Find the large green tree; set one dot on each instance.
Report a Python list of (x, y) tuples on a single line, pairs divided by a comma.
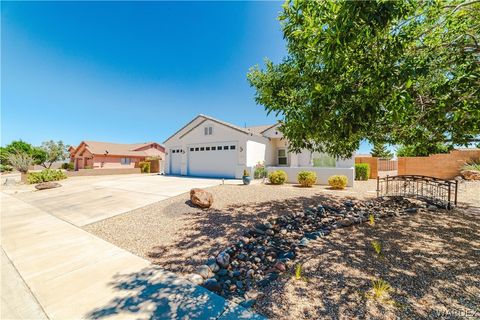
[(398, 72), (380, 151)]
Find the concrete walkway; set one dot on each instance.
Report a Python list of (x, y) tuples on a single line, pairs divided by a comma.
[(75, 275)]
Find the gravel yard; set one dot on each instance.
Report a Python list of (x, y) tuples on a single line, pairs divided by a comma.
[(431, 260)]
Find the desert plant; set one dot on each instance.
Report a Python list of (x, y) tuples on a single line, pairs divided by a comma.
[(377, 247), (144, 166), (5, 168), (338, 182), (473, 165), (68, 166), (298, 272), (45, 176), (260, 171), (307, 178), (362, 171), (245, 173), (277, 177), (380, 290), (371, 219), (20, 160), (53, 151)]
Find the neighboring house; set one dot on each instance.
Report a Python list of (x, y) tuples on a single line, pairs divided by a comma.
[(208, 147), (107, 155)]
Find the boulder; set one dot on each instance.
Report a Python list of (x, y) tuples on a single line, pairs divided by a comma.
[(470, 174), (47, 185), (201, 198)]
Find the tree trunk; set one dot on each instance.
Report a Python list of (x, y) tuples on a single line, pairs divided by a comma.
[(23, 177)]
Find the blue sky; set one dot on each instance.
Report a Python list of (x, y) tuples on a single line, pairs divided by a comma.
[(130, 72)]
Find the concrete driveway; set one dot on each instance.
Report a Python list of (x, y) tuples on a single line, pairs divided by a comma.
[(84, 200)]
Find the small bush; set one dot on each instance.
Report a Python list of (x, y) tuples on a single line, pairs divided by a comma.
[(277, 177), (88, 167), (68, 166), (260, 171), (307, 178), (144, 166), (5, 168), (45, 176), (362, 171), (338, 182), (245, 173), (473, 165)]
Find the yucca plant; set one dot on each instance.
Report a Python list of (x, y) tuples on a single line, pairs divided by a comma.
[(371, 219), (473, 165), (380, 290), (377, 246), (298, 272)]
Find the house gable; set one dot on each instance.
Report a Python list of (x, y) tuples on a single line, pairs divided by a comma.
[(273, 132), (196, 128)]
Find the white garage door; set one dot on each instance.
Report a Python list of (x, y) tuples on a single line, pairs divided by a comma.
[(216, 160), (175, 161)]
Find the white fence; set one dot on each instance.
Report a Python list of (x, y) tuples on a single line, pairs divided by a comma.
[(322, 173)]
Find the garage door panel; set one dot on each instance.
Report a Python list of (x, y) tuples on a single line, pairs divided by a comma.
[(175, 161), (217, 160)]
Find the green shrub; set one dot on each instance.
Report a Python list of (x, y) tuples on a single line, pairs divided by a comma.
[(260, 171), (144, 166), (307, 178), (5, 168), (88, 167), (277, 177), (45, 176), (362, 171), (68, 166), (338, 182)]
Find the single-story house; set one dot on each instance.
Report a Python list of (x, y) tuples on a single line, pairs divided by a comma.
[(208, 147), (108, 155)]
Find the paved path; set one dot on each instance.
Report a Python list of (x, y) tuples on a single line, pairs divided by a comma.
[(85, 200), (75, 275)]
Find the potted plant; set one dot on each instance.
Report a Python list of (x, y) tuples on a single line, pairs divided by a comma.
[(246, 178)]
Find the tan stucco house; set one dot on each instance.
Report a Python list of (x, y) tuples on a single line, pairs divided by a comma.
[(108, 155)]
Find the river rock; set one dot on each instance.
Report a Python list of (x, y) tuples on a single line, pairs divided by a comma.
[(223, 259)]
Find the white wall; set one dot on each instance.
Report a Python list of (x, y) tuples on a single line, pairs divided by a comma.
[(322, 173), (255, 153)]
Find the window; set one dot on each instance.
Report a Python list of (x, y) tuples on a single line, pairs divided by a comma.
[(125, 161), (323, 160), (173, 151), (225, 147), (196, 149), (219, 148), (282, 157), (232, 147), (191, 149), (202, 148), (214, 148), (208, 131)]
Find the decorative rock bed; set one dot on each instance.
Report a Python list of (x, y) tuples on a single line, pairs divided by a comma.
[(258, 257)]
